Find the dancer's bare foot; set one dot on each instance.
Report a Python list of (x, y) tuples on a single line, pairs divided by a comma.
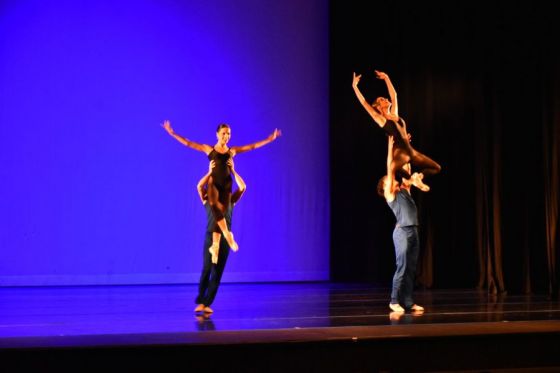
[(416, 308), (199, 308), (208, 310), (231, 241), (416, 180), (396, 307), (214, 250)]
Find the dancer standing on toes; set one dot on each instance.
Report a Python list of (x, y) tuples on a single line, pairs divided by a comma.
[(386, 114), (219, 184), (405, 235), (214, 260)]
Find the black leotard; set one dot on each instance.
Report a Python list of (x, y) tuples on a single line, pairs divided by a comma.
[(396, 129), (221, 172)]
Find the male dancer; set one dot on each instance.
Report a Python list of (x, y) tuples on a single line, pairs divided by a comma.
[(405, 235), (214, 261)]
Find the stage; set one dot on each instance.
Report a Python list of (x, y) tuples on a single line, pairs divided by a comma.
[(275, 327)]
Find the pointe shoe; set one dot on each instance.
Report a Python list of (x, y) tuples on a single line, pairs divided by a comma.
[(396, 307), (231, 241), (214, 250), (208, 310), (416, 180), (199, 308)]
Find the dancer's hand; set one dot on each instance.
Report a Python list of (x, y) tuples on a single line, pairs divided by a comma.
[(277, 133), (167, 126), (356, 80), (211, 166), (231, 164), (381, 75)]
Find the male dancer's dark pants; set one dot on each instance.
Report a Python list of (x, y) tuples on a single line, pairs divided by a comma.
[(212, 273)]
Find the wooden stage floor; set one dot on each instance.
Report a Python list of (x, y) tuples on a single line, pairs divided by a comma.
[(276, 327)]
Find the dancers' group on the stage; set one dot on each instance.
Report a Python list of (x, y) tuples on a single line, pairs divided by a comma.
[(215, 191)]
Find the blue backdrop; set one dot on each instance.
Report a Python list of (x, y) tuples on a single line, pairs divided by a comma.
[(94, 191)]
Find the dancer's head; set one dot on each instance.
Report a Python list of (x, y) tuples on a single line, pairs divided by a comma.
[(381, 104), (223, 133)]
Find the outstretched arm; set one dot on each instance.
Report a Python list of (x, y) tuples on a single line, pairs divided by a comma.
[(378, 118), (389, 184), (204, 181), (392, 92), (191, 144), (245, 148), (241, 186)]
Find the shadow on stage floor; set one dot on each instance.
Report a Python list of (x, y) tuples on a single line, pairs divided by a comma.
[(287, 327)]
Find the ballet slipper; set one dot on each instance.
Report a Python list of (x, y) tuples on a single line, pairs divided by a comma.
[(208, 310), (416, 308), (416, 180), (231, 241), (396, 307), (214, 250), (199, 308)]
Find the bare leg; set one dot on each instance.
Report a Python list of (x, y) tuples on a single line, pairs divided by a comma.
[(400, 160), (218, 210), (427, 165), (227, 234), (215, 248)]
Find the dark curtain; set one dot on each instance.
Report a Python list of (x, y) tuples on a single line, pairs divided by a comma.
[(551, 175), (479, 87)]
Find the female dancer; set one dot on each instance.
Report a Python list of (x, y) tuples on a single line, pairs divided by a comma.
[(386, 114), (219, 184)]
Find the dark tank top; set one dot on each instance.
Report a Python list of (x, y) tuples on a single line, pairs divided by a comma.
[(396, 129), (404, 208), (221, 173)]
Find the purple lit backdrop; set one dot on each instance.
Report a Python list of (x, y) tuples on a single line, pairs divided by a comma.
[(93, 191)]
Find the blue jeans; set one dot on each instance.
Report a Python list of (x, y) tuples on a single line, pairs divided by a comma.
[(407, 246)]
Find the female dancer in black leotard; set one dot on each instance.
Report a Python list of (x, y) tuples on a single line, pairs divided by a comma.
[(219, 184), (386, 114)]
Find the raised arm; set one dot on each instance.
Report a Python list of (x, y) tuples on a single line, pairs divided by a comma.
[(241, 186), (204, 181), (392, 92), (378, 118), (191, 144), (245, 148), (389, 184)]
